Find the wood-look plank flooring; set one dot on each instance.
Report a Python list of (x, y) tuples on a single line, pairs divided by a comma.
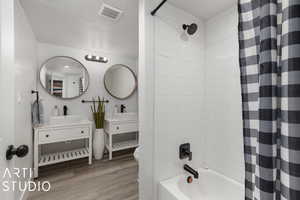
[(103, 180)]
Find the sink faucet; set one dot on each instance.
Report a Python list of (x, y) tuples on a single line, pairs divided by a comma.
[(191, 171), (65, 110), (123, 107)]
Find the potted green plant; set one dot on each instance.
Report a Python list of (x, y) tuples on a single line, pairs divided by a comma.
[(98, 112)]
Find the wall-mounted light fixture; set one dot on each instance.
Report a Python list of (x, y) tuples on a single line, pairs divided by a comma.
[(96, 58)]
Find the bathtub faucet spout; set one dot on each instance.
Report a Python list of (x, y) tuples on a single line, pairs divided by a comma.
[(191, 171)]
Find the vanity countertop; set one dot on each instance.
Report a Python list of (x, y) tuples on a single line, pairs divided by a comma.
[(123, 118), (48, 125)]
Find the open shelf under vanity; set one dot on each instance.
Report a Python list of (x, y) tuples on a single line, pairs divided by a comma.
[(53, 158), (118, 146), (120, 135)]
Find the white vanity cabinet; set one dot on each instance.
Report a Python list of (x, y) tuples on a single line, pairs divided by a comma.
[(50, 133), (117, 127)]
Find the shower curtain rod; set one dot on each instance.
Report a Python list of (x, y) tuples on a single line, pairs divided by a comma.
[(158, 7)]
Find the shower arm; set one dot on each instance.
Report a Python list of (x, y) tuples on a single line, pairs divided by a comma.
[(158, 7)]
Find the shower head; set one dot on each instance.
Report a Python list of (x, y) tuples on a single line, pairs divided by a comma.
[(191, 29)]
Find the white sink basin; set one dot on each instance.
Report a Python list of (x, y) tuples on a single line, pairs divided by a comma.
[(125, 117), (69, 119)]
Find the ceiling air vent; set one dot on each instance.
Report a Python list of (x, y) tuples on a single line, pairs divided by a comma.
[(110, 12)]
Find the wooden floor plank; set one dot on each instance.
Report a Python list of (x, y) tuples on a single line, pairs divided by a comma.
[(104, 180)]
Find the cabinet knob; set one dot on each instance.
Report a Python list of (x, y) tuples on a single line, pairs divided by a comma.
[(47, 135), (118, 128), (82, 131)]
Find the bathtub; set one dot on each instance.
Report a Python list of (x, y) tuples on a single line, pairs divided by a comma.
[(209, 186)]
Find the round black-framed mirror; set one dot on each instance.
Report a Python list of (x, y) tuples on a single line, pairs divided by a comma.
[(64, 77), (120, 81)]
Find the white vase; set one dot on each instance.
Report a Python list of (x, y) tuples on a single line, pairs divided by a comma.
[(98, 144)]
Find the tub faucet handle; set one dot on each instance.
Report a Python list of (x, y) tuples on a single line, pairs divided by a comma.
[(185, 151)]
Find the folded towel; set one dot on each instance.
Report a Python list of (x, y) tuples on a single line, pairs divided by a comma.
[(37, 112)]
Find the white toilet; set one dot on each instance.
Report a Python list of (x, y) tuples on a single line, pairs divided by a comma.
[(136, 154)]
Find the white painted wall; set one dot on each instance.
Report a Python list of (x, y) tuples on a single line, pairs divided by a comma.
[(96, 87), (223, 122), (25, 81), (179, 91)]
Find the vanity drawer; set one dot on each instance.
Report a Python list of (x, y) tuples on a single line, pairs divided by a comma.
[(60, 135), (124, 128)]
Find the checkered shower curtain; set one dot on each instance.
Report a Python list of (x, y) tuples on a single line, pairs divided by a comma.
[(269, 39)]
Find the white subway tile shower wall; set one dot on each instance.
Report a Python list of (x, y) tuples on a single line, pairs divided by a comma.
[(179, 90), (197, 94), (223, 124)]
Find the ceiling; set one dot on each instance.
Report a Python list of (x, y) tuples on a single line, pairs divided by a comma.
[(204, 9), (76, 23)]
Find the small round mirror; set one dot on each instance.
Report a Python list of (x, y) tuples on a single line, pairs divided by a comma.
[(64, 77), (120, 81)]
